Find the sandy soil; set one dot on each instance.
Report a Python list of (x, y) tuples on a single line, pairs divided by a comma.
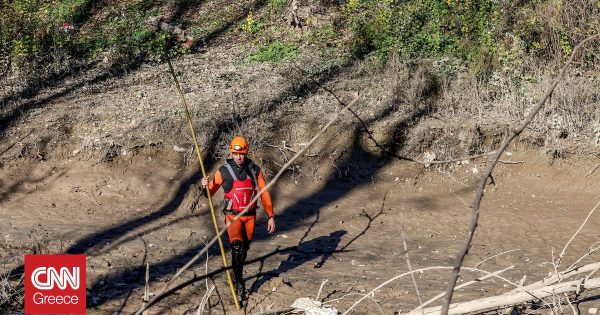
[(98, 175), (345, 228)]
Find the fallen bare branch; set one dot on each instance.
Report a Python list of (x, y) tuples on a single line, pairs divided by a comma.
[(479, 194), (565, 274), (421, 270), (511, 162), (470, 157), (435, 298), (512, 298)]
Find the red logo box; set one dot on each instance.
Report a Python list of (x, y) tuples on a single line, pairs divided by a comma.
[(55, 284)]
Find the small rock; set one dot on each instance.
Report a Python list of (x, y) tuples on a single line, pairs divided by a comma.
[(593, 310)]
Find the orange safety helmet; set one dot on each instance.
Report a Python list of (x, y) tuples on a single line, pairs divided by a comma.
[(239, 145)]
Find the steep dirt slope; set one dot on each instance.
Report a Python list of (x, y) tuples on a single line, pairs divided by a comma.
[(91, 168)]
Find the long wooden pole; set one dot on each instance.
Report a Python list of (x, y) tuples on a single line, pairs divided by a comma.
[(210, 203)]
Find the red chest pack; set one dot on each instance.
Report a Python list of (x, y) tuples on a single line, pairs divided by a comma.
[(241, 193)]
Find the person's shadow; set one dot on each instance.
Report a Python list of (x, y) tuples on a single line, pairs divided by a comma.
[(322, 246)]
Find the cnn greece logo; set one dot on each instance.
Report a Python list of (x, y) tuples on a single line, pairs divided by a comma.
[(54, 278), (54, 284)]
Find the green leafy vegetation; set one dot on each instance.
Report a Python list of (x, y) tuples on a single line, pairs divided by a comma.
[(251, 25), (274, 52), (483, 35), (52, 35), (466, 29)]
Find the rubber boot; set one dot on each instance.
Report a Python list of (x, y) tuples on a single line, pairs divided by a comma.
[(237, 262)]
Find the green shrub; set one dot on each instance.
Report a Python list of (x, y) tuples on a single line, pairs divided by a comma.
[(251, 25), (279, 3), (34, 40), (473, 31), (275, 52)]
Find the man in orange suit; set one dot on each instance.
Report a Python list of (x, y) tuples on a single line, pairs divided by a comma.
[(241, 179)]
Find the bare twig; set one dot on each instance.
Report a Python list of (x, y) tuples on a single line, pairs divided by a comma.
[(205, 300), (209, 290), (595, 247), (412, 275), (321, 289), (479, 195), (562, 254), (573, 309), (592, 170), (147, 287), (505, 252), (161, 294), (470, 157)]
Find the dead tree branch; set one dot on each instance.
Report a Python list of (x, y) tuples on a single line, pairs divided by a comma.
[(512, 298), (479, 195), (161, 294), (437, 297), (494, 274), (563, 275)]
